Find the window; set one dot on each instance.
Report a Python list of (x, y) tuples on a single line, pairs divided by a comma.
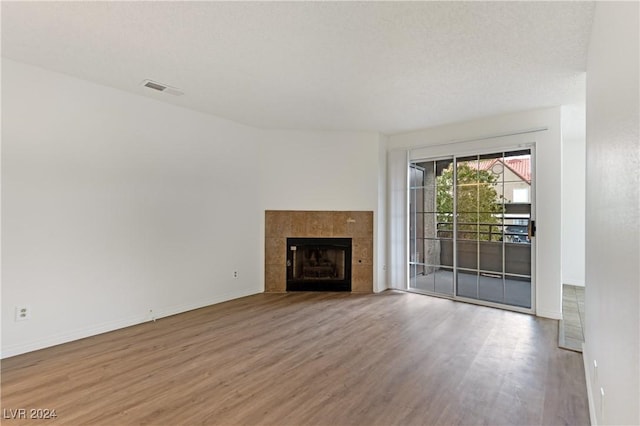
[(521, 195)]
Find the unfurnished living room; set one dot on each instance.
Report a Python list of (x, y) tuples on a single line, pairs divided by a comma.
[(320, 213)]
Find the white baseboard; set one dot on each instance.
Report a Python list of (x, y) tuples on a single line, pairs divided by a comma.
[(185, 307), (573, 281), (588, 379), (106, 327), (549, 314), (70, 336)]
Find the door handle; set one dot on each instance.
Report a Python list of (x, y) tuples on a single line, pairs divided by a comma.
[(532, 229)]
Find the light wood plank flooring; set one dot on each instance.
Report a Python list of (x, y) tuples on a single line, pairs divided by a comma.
[(570, 328), (311, 359)]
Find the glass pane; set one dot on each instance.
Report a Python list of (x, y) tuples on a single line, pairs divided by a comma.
[(500, 198), (416, 225), (518, 291), (467, 254), (491, 287), (446, 252), (427, 201), (427, 225), (415, 177), (432, 249), (492, 212), (517, 177), (516, 229), (467, 170), (491, 256), (412, 250), (444, 198), (444, 280), (490, 157), (488, 190), (518, 258), (467, 284), (419, 198), (445, 226), (517, 168), (412, 275), (425, 280)]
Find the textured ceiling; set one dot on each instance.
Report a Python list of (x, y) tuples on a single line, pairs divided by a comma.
[(384, 66)]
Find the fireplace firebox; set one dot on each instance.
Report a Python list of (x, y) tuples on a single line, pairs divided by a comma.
[(318, 264)]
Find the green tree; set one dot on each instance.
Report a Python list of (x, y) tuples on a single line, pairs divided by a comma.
[(478, 203)]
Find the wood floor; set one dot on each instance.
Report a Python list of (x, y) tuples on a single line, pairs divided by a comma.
[(310, 359), (571, 328)]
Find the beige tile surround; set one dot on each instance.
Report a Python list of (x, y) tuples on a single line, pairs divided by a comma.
[(283, 224)]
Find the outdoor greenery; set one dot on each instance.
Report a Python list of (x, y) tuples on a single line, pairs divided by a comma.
[(478, 203)]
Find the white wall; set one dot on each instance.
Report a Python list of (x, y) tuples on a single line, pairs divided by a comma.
[(397, 212), (612, 334), (325, 171), (114, 204), (382, 224), (445, 140), (319, 170), (573, 194)]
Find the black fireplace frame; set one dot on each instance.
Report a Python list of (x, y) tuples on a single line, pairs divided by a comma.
[(319, 285)]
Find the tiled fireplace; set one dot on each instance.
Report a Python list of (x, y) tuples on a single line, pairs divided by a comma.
[(320, 228)]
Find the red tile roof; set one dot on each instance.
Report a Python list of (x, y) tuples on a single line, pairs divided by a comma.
[(520, 166)]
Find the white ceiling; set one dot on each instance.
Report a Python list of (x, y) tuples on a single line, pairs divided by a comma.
[(385, 66)]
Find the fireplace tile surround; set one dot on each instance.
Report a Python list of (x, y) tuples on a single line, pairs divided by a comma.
[(283, 224)]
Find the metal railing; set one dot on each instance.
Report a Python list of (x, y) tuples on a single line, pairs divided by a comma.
[(483, 231)]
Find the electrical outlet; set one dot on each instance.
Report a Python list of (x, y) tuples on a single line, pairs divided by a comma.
[(23, 313), (235, 274)]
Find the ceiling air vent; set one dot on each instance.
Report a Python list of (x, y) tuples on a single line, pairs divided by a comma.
[(162, 87)]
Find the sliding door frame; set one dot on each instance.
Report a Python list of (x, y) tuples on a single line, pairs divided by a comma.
[(454, 155)]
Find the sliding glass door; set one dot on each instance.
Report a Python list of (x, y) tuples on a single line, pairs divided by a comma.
[(471, 228), (431, 228)]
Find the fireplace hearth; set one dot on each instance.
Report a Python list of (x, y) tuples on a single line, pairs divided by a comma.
[(318, 264)]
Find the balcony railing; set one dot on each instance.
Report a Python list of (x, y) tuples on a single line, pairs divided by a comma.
[(475, 231)]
